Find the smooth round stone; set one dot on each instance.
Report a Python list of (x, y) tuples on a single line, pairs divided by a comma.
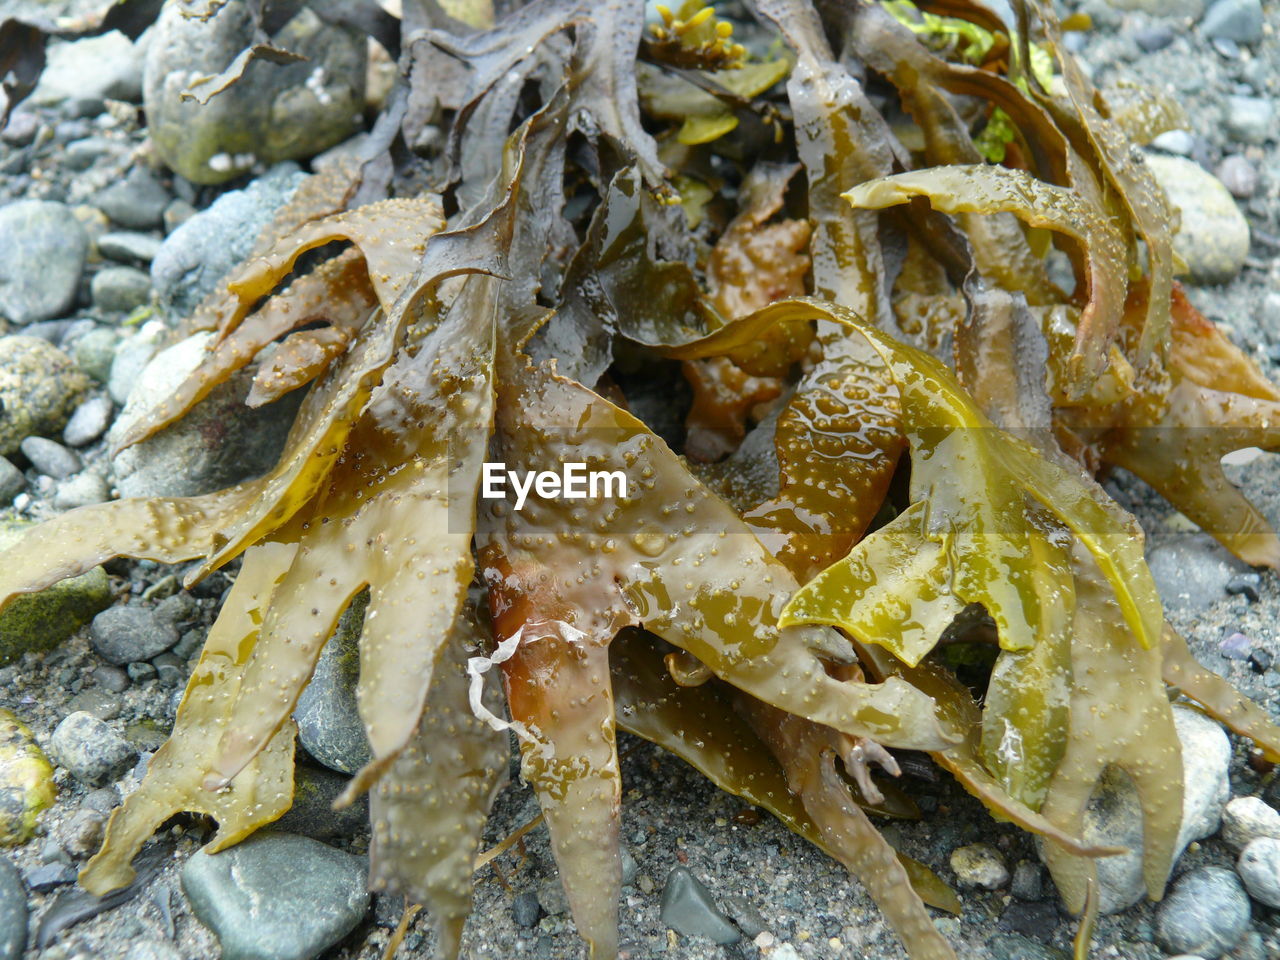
[(42, 254), (50, 458), (329, 724), (979, 865), (26, 781), (1248, 818), (137, 201), (12, 481), (120, 289), (277, 896), (13, 912), (1214, 237), (39, 387), (125, 634), (94, 352), (1250, 119), (89, 422), (1239, 176), (1237, 20), (127, 247), (1206, 913), (93, 752), (689, 909), (95, 68), (1259, 868)]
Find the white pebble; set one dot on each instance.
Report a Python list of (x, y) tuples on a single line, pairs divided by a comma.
[(1259, 868), (979, 865), (1247, 818)]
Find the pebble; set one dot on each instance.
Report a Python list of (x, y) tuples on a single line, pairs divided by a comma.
[(47, 876), (50, 457), (21, 128), (136, 202), (43, 248), (99, 703), (525, 910), (277, 896), (170, 669), (94, 352), (83, 490), (1259, 868), (1239, 176), (120, 289), (1238, 20), (217, 444), (312, 813), (1028, 881), (176, 214), (1214, 236), (141, 671), (13, 912), (111, 678), (689, 909), (1206, 913), (81, 833), (1153, 37), (93, 752), (130, 359), (1236, 646), (1180, 142), (89, 422), (745, 916), (12, 481), (86, 153), (552, 898), (126, 634), (1114, 815), (979, 865), (1192, 572), (39, 387), (1250, 119), (275, 112), (203, 249), (26, 781), (329, 724), (1014, 946), (1247, 585), (106, 67), (127, 246)]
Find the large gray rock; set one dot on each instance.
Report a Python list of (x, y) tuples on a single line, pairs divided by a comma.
[(39, 387), (277, 896), (274, 112), (42, 253), (1206, 914), (1114, 814), (1214, 237), (1238, 20), (329, 724), (217, 444), (95, 68), (203, 249)]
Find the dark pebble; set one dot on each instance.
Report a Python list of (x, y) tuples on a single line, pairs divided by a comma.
[(111, 677), (170, 668), (689, 909), (141, 671), (1260, 661), (191, 644), (525, 910), (1028, 881), (47, 876), (1246, 585), (312, 813), (13, 912), (1034, 919), (749, 920), (125, 634), (1155, 37)]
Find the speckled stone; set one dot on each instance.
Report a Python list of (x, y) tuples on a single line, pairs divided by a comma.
[(1214, 238)]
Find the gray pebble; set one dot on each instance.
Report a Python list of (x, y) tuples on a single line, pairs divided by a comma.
[(127, 246), (1238, 20), (1014, 946), (82, 490), (552, 898), (170, 669), (744, 914), (525, 910), (111, 677), (191, 643), (689, 909), (95, 351), (89, 422), (141, 671), (1239, 176), (46, 876), (312, 813), (86, 153), (81, 833), (329, 723), (50, 457), (104, 799), (120, 289), (124, 634), (42, 254), (1250, 119), (176, 214), (1259, 868), (1206, 913), (137, 202), (39, 387), (21, 128), (94, 68), (1028, 881), (1192, 572), (12, 481), (277, 896), (13, 912), (91, 750), (1248, 818), (1153, 37), (98, 703)]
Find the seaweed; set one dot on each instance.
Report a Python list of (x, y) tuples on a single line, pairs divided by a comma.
[(895, 426)]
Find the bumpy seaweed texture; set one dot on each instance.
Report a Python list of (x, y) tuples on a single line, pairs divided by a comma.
[(892, 441)]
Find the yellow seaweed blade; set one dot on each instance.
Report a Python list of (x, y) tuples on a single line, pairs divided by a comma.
[(174, 781)]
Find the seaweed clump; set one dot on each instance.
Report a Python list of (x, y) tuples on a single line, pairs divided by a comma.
[(896, 422)]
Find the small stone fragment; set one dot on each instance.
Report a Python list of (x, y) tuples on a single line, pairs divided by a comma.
[(1250, 119), (1028, 881), (48, 876), (42, 254), (525, 910), (1238, 20), (82, 490), (979, 865), (126, 246), (81, 833), (93, 752), (689, 909)]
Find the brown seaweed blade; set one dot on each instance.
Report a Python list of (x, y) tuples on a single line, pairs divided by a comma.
[(986, 189), (1119, 716), (429, 809), (262, 792), (675, 558), (1218, 698)]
